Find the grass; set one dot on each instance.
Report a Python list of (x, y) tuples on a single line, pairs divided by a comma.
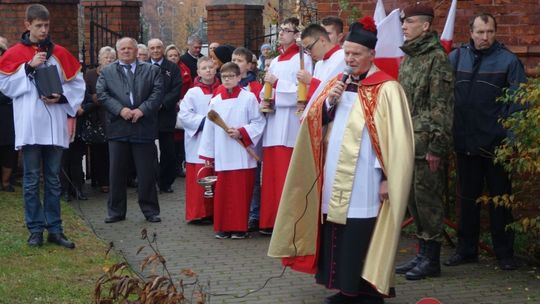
[(49, 274)]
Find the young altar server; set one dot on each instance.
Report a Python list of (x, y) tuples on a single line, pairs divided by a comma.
[(283, 124), (228, 150), (329, 56), (192, 115)]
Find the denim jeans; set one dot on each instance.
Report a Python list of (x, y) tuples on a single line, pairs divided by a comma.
[(256, 200), (39, 217)]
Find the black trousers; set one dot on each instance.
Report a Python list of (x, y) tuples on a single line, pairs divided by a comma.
[(473, 172), (167, 160), (71, 176), (99, 162), (145, 159)]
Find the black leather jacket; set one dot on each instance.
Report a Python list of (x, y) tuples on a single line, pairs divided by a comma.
[(113, 92)]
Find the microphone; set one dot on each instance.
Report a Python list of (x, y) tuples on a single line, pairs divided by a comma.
[(346, 74)]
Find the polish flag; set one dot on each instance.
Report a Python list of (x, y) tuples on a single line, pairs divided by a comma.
[(447, 36), (389, 38), (379, 13)]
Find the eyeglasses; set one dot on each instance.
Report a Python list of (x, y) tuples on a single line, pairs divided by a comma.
[(287, 30), (228, 76), (311, 45)]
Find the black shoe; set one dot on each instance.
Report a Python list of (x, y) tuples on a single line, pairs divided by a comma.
[(508, 264), (458, 259), (66, 196), (222, 235), (430, 265), (405, 267), (166, 190), (114, 219), (60, 239), (35, 239), (153, 219), (340, 298)]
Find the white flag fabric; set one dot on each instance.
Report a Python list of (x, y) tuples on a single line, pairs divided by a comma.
[(379, 13), (389, 38), (447, 36)]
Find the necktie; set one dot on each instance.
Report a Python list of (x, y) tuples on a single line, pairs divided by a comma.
[(130, 76)]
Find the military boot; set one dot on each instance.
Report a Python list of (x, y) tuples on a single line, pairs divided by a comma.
[(403, 268), (430, 266)]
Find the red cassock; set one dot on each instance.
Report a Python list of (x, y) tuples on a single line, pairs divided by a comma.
[(274, 179), (232, 198), (197, 206)]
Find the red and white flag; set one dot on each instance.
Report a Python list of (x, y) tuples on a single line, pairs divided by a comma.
[(447, 36), (389, 38), (379, 13)]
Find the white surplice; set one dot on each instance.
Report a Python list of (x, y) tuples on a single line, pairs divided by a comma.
[(282, 125), (37, 123), (193, 110), (240, 112), (324, 71), (364, 201)]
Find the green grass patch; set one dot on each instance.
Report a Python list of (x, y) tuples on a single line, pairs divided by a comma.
[(49, 274)]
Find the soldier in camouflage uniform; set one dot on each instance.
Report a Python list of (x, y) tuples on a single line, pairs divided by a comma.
[(427, 78)]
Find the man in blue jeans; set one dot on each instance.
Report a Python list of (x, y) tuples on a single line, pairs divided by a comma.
[(41, 128)]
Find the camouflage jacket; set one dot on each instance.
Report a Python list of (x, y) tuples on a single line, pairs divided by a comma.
[(427, 78)]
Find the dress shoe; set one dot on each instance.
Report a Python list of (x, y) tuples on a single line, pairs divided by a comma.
[(114, 219), (35, 239), (60, 239), (458, 259), (153, 219), (508, 264)]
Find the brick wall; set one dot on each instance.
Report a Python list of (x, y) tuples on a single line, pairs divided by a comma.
[(63, 27), (518, 21), (236, 24)]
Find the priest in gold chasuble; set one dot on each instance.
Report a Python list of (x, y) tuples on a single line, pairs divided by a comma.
[(349, 178)]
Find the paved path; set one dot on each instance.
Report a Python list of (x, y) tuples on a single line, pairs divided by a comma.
[(237, 266)]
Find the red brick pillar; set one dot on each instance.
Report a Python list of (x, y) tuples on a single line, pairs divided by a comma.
[(119, 16), (236, 23), (63, 27)]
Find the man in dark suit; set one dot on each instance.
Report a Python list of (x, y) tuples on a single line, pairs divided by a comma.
[(193, 54), (172, 82), (131, 90)]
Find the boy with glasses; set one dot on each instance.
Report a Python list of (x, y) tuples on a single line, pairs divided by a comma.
[(329, 56), (283, 124), (235, 168)]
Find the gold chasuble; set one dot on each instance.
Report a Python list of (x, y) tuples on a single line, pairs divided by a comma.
[(382, 108)]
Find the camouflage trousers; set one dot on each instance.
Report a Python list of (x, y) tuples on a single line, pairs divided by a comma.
[(426, 202)]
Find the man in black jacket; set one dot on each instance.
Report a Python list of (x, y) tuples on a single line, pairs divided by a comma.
[(131, 91), (172, 82), (484, 68), (193, 54)]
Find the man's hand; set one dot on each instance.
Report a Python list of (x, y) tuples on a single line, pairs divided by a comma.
[(137, 114), (335, 92), (80, 111), (304, 76), (234, 133), (434, 162), (126, 113), (300, 106), (270, 78), (209, 163), (38, 59), (383, 190), (51, 99)]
